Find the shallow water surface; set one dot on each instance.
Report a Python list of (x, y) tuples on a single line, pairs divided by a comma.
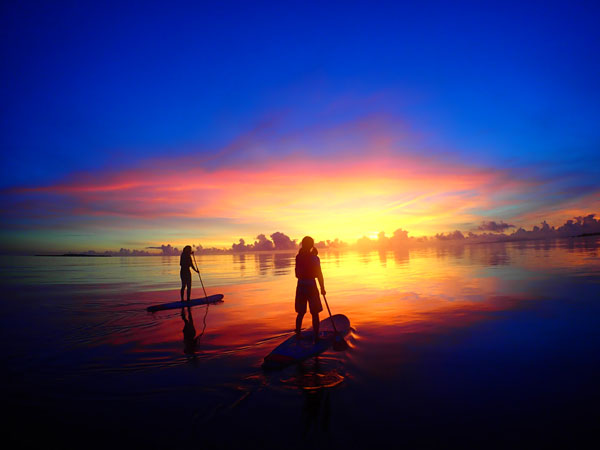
[(476, 345)]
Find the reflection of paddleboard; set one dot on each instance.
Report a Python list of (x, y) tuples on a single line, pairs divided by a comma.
[(193, 302), (297, 349)]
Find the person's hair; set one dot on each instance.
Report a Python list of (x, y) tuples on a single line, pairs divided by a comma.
[(307, 245), (187, 250)]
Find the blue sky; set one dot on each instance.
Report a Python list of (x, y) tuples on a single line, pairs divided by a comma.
[(102, 87)]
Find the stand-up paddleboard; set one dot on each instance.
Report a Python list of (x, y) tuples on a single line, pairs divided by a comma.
[(196, 301), (296, 349)]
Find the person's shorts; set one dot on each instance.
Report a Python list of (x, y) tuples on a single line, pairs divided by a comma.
[(186, 277), (307, 292)]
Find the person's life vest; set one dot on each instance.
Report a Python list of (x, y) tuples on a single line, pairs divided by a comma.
[(307, 266)]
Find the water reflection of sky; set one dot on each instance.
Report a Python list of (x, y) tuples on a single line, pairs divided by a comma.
[(428, 320), (235, 268), (403, 287)]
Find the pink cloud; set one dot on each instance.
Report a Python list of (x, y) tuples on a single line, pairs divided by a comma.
[(290, 186), (364, 180)]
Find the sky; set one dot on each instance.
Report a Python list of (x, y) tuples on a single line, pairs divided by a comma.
[(136, 124)]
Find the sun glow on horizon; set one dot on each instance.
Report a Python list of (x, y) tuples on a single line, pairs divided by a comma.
[(327, 199)]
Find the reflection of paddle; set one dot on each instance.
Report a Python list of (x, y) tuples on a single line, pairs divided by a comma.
[(198, 270), (338, 341), (205, 296), (204, 327)]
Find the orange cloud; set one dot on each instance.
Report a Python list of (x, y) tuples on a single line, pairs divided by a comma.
[(331, 197)]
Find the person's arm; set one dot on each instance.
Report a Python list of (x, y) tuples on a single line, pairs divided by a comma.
[(321, 281), (192, 264)]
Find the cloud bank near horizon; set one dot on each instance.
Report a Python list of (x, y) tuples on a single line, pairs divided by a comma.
[(578, 226), (494, 227)]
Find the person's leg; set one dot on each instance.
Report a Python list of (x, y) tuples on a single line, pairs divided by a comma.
[(315, 321), (299, 318), (300, 306), (189, 288), (182, 287)]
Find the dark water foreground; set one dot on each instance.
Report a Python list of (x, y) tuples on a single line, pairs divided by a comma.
[(493, 346)]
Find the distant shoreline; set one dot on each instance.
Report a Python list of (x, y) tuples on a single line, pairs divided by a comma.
[(340, 249), (80, 255)]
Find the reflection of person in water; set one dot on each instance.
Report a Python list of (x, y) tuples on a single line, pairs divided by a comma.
[(185, 261), (190, 342), (308, 267), (190, 339), (316, 412)]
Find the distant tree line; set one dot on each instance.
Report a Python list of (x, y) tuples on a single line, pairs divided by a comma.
[(487, 231)]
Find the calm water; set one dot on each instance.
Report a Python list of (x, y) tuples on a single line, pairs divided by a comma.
[(479, 346)]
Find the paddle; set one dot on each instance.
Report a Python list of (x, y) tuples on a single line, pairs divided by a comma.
[(198, 270), (339, 343)]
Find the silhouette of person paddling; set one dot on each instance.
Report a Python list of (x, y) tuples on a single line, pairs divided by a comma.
[(308, 267), (185, 261)]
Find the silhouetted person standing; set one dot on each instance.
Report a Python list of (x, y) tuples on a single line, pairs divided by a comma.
[(308, 267), (185, 261)]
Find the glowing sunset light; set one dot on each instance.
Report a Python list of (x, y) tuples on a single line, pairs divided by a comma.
[(333, 199), (329, 197)]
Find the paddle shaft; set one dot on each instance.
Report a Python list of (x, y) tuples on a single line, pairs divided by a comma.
[(198, 270), (332, 322)]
